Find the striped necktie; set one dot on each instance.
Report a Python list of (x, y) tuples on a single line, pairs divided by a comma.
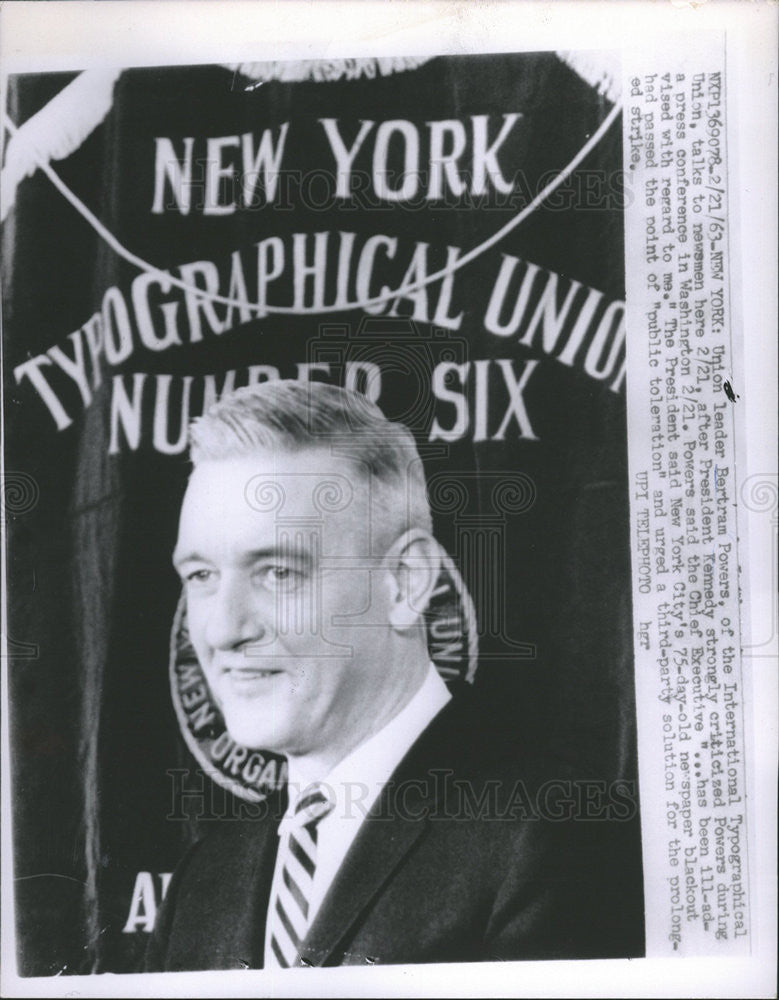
[(288, 914)]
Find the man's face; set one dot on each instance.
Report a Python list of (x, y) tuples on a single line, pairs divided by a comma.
[(285, 615)]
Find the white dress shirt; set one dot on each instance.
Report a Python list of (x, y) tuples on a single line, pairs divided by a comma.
[(355, 783)]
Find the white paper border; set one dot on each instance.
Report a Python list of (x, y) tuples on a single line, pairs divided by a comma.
[(76, 35)]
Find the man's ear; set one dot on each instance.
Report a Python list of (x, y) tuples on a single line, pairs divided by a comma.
[(413, 563)]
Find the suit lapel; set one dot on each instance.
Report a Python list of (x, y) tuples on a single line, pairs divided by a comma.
[(261, 843), (378, 849), (388, 833)]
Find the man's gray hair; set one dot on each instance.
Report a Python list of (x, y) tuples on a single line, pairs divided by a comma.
[(291, 415)]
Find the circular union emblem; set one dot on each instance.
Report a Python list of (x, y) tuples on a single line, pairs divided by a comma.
[(254, 774)]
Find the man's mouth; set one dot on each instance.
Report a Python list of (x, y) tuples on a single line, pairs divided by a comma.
[(248, 680), (244, 672)]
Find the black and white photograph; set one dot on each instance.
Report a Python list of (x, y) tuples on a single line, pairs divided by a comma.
[(373, 511)]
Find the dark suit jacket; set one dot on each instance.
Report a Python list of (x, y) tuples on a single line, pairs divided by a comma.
[(455, 863)]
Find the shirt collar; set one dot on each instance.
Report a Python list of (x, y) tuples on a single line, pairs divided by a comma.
[(355, 782)]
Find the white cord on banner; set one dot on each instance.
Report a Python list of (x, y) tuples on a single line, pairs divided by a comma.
[(401, 292)]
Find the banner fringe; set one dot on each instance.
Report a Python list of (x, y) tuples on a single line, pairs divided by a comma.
[(57, 130), (326, 70), (601, 70)]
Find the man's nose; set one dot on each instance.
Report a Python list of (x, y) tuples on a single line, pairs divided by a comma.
[(234, 619)]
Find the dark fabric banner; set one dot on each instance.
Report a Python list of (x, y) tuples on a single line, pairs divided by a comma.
[(382, 225)]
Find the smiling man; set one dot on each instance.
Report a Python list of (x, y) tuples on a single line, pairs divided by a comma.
[(271, 564), (409, 832)]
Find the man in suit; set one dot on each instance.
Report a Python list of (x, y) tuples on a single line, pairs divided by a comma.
[(409, 832)]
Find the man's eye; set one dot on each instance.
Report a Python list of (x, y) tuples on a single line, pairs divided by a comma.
[(281, 578), (198, 576)]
